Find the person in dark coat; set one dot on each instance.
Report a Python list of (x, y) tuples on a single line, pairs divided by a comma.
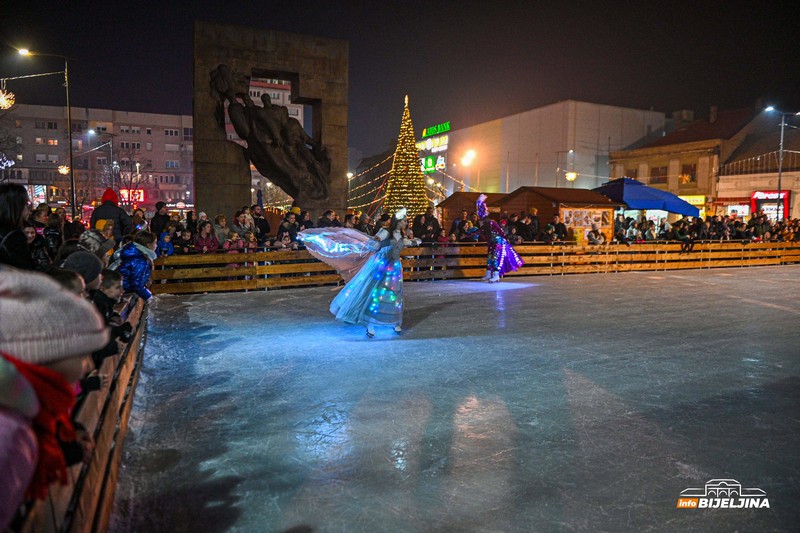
[(52, 235), (160, 220), (262, 229), (14, 249), (110, 210), (42, 261)]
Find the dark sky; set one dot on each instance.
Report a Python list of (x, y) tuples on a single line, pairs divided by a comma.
[(462, 61)]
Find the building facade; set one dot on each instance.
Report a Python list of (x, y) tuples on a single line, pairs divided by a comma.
[(565, 144), (145, 157)]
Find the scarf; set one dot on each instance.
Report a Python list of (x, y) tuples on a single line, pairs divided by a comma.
[(51, 425)]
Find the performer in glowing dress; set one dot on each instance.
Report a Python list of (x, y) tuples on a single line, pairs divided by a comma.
[(501, 257), (373, 295)]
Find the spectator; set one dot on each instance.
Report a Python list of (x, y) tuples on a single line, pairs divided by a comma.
[(423, 222), (105, 298), (51, 356), (535, 223), (288, 225), (191, 223), (136, 264), (285, 242), (110, 210), (239, 225), (559, 228), (633, 233), (95, 242), (248, 218), (70, 229), (513, 237), (205, 242), (549, 236), (365, 225), (455, 227), (680, 232), (13, 213), (138, 220), (595, 236), (53, 237), (349, 221), (305, 221), (251, 243), (165, 246), (38, 249), (184, 244), (87, 265), (469, 233), (329, 219), (443, 239), (160, 220), (261, 228), (221, 228), (650, 233), (39, 218)]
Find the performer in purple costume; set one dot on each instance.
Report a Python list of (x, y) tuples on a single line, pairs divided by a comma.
[(501, 257)]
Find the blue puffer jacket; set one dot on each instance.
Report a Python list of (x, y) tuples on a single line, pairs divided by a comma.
[(136, 263)]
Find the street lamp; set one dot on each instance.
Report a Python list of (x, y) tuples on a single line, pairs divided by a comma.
[(780, 160), (113, 166), (466, 160), (558, 164), (72, 199)]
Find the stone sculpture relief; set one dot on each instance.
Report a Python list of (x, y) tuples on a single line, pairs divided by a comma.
[(277, 144)]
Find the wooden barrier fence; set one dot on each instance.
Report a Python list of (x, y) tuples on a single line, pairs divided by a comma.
[(185, 274), (84, 505)]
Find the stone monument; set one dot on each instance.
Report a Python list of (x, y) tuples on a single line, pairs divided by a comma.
[(309, 167)]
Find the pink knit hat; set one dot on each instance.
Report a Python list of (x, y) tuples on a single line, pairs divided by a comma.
[(42, 323)]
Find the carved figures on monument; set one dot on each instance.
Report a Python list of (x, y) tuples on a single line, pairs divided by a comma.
[(277, 144)]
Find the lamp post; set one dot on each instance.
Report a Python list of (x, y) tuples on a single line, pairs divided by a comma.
[(780, 160), (113, 166), (72, 198)]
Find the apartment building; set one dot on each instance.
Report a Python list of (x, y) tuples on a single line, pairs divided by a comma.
[(145, 157)]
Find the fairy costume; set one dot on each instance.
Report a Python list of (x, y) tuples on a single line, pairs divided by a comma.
[(501, 258), (373, 295)]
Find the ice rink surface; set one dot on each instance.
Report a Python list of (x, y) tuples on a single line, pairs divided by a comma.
[(574, 403)]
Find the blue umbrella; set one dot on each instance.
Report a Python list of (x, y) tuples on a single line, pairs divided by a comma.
[(636, 195), (260, 199)]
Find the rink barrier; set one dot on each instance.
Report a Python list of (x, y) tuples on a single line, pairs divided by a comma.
[(251, 271), (85, 504)]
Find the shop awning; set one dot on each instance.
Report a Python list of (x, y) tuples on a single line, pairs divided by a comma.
[(639, 196)]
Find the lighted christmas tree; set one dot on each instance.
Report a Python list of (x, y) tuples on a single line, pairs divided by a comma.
[(406, 187)]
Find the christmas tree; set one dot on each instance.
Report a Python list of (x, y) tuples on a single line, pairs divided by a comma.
[(406, 187)]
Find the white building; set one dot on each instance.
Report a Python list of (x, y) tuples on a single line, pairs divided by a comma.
[(546, 146), (148, 155)]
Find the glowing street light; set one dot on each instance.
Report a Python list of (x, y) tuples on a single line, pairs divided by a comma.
[(780, 203), (26, 52)]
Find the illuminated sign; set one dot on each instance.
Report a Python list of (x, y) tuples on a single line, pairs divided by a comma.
[(768, 195), (132, 195), (436, 130), (434, 144), (431, 163)]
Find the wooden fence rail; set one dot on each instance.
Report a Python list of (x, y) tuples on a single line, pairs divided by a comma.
[(84, 505), (187, 274)]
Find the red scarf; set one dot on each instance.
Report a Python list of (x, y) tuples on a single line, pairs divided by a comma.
[(52, 424)]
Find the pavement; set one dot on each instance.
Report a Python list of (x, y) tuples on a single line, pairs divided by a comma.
[(563, 403)]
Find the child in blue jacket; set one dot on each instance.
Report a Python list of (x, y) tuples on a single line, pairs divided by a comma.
[(136, 263)]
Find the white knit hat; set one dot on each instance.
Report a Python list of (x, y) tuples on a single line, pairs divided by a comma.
[(41, 322)]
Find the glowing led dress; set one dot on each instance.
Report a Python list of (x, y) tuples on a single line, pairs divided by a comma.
[(374, 294), (501, 258)]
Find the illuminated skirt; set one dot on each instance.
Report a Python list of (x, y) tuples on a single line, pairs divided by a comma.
[(374, 296), (502, 256)]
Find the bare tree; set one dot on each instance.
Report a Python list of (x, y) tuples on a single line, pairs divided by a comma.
[(9, 148)]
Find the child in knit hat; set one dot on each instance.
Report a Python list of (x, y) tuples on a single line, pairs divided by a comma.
[(47, 334), (88, 266)]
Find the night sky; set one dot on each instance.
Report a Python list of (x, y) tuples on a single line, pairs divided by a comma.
[(462, 61)]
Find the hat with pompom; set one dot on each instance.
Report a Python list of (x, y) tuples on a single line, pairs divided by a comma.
[(42, 322)]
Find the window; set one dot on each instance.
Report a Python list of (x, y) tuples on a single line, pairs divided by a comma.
[(171, 147), (148, 163), (136, 146), (169, 163), (149, 146), (658, 175), (148, 131), (39, 140), (77, 144), (40, 124), (688, 174), (101, 129), (124, 129), (124, 144), (125, 162), (187, 134), (171, 133), (52, 142), (19, 157), (77, 127), (294, 112), (136, 129), (19, 140), (631, 173), (102, 161), (52, 125), (52, 158), (41, 158)]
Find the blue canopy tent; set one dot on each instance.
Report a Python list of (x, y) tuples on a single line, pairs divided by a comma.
[(639, 196)]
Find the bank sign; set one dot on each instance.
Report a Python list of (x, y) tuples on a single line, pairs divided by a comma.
[(438, 129)]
